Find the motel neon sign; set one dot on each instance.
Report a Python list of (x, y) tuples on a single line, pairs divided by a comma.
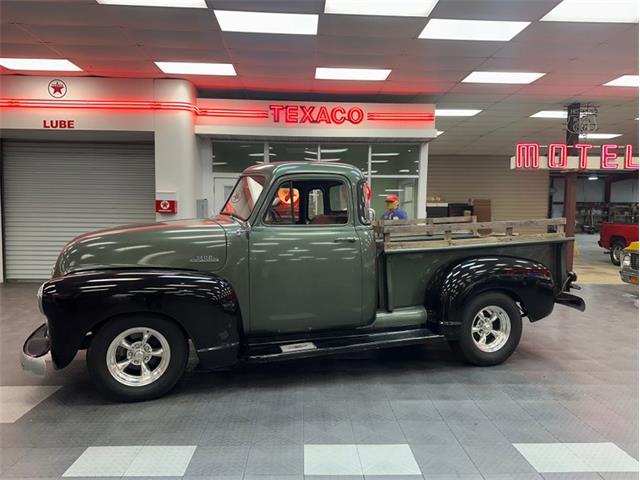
[(528, 156)]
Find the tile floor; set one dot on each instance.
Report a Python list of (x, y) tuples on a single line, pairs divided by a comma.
[(564, 407)]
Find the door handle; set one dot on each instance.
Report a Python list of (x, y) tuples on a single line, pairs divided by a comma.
[(345, 240)]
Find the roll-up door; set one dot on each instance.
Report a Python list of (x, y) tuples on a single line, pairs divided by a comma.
[(55, 191)]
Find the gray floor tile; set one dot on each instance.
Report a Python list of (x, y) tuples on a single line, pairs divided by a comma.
[(221, 460), (443, 459), (524, 432), (481, 432), (315, 432), (415, 410), (275, 460), (377, 432), (9, 456), (228, 433), (496, 459), (428, 432), (571, 476), (43, 462), (278, 433)]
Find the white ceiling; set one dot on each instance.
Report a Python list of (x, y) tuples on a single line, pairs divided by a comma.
[(120, 41)]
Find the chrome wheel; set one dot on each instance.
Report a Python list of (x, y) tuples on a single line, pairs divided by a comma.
[(138, 356), (491, 328)]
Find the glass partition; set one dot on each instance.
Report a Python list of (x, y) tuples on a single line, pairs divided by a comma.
[(293, 152), (234, 157)]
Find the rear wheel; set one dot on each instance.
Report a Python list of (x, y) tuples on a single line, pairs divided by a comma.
[(616, 252), (491, 329), (137, 358)]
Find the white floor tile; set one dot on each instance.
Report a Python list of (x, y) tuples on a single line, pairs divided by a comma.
[(16, 401), (103, 462), (161, 461), (552, 458), (331, 460), (388, 460), (577, 457), (604, 457)]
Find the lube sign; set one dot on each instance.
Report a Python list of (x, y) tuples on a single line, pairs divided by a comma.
[(528, 156)]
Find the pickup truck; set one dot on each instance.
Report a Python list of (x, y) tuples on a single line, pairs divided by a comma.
[(292, 267), (615, 237)]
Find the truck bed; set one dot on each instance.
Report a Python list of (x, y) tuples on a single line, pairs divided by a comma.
[(414, 257)]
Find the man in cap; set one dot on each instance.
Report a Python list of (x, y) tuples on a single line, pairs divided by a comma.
[(394, 212)]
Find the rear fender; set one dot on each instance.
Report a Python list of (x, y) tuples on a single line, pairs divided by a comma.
[(203, 304), (527, 282)]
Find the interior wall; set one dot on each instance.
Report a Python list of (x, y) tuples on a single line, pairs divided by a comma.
[(514, 194)]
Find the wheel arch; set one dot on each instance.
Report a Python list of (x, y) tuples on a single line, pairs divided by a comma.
[(203, 305)]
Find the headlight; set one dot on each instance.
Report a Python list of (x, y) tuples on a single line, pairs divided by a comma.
[(626, 260)]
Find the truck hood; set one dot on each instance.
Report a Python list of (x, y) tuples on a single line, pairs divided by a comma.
[(185, 244)]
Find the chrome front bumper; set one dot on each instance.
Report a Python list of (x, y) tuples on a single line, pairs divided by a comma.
[(32, 357)]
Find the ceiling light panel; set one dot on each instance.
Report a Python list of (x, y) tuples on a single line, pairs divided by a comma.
[(597, 11), (157, 3), (503, 77), (388, 8), (39, 64), (624, 81), (188, 68), (550, 114), (456, 112), (263, 22), (599, 136), (479, 30), (371, 74)]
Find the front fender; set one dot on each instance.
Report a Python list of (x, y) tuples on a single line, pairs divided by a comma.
[(526, 281), (203, 304)]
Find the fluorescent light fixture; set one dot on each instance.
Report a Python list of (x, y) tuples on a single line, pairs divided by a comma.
[(456, 112), (374, 171), (404, 170), (597, 11), (387, 8), (503, 77), (42, 64), (311, 159), (330, 159), (189, 68), (478, 30), (333, 150), (593, 177), (393, 190), (624, 81), (264, 22), (550, 114), (372, 74), (219, 163), (379, 161), (261, 154), (385, 154), (598, 136), (157, 3)]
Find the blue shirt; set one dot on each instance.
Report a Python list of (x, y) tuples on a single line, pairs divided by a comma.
[(397, 214)]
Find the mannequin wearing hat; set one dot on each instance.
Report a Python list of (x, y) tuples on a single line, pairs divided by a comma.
[(394, 212)]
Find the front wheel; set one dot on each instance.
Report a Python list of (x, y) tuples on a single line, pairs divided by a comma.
[(137, 357), (616, 252), (491, 329)]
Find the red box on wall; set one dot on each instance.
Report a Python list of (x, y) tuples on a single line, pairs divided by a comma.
[(166, 202)]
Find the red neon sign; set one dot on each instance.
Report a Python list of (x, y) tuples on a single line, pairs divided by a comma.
[(528, 156), (314, 114)]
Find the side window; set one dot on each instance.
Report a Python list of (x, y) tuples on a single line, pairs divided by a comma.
[(315, 203), (285, 206), (338, 198)]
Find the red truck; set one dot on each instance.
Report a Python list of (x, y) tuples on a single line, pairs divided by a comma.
[(615, 237)]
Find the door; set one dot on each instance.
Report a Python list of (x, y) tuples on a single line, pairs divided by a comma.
[(305, 262), (55, 191), (222, 187)]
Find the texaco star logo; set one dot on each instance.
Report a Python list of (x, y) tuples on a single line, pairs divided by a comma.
[(57, 88), (164, 205)]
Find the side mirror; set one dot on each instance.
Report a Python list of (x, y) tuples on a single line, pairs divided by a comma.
[(372, 215)]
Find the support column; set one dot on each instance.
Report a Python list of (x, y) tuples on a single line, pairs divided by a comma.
[(421, 202), (178, 166), (570, 185)]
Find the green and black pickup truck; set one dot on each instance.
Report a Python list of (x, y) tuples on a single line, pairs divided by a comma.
[(292, 267)]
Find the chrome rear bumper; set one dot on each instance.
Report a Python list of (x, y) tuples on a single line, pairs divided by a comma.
[(32, 357)]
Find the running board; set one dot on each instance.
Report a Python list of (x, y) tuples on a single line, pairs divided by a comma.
[(270, 352)]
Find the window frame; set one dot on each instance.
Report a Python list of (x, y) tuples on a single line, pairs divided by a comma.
[(307, 177), (362, 214)]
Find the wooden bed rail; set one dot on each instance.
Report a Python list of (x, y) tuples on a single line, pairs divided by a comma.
[(396, 233)]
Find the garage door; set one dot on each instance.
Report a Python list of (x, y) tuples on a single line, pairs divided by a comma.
[(54, 191)]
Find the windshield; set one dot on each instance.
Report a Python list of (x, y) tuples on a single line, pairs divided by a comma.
[(244, 196)]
